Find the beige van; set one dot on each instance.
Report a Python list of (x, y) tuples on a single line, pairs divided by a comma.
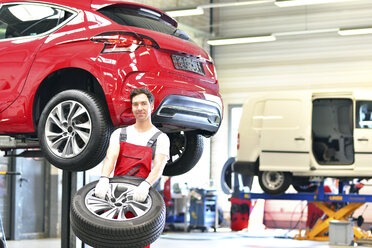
[(300, 137)]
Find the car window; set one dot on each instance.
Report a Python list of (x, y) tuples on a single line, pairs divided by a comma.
[(141, 19), (363, 114), (2, 30), (18, 20)]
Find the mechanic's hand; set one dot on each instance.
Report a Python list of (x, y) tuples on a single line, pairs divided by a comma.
[(140, 193), (102, 187)]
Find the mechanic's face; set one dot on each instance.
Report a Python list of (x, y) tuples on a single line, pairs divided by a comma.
[(141, 107)]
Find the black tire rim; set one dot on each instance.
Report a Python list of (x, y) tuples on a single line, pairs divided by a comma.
[(273, 180), (118, 204), (68, 129)]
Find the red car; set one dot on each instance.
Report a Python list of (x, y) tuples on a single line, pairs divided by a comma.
[(67, 68)]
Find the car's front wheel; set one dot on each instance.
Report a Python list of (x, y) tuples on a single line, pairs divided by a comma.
[(74, 130), (118, 220), (274, 182), (186, 149)]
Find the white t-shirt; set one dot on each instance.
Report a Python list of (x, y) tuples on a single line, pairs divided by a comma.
[(141, 139)]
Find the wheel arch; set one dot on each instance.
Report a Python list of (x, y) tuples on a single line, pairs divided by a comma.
[(246, 168), (65, 79)]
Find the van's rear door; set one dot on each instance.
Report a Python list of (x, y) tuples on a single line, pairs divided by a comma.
[(285, 136)]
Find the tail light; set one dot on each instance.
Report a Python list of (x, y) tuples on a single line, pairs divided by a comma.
[(119, 42), (238, 142)]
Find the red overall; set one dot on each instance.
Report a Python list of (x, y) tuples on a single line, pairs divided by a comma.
[(135, 160)]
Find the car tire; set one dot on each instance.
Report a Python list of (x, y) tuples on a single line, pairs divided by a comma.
[(274, 182), (226, 176), (102, 223), (74, 130), (185, 152), (303, 185)]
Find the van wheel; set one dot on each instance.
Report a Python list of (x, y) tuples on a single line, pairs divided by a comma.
[(74, 130), (118, 220), (226, 176), (304, 185), (186, 149), (274, 182)]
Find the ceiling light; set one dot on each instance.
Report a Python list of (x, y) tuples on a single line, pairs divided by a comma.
[(292, 3), (199, 9), (234, 4), (185, 12), (357, 31), (234, 41), (307, 32)]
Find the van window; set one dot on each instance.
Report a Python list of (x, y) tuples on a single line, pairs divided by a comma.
[(363, 114), (332, 131)]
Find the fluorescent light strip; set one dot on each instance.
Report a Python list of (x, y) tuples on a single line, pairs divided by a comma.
[(307, 32), (185, 12), (284, 3), (292, 3), (199, 9), (358, 31), (234, 41), (221, 5)]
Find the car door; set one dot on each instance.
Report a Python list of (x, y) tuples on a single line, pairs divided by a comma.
[(332, 132), (363, 135), (285, 136), (22, 32)]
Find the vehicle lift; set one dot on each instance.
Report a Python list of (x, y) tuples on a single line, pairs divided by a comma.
[(2, 231), (319, 232)]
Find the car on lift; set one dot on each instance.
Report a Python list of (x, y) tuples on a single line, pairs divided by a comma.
[(302, 137), (67, 68)]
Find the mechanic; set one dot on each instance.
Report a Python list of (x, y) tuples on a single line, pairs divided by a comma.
[(138, 141)]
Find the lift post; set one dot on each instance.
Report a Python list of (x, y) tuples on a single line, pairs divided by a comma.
[(71, 182), (322, 200)]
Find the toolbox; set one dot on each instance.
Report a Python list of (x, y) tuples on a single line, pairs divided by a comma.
[(203, 206)]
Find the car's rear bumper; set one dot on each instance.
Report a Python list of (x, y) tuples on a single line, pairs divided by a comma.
[(188, 113)]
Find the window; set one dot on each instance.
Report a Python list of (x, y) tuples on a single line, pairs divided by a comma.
[(2, 30), (18, 20), (332, 131), (363, 114), (141, 18)]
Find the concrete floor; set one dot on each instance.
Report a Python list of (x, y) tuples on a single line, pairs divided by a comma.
[(220, 239)]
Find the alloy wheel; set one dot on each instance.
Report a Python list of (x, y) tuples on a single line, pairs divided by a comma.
[(68, 129), (118, 204)]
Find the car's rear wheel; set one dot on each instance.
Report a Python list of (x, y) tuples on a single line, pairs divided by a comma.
[(186, 149), (274, 182), (74, 130), (117, 220)]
